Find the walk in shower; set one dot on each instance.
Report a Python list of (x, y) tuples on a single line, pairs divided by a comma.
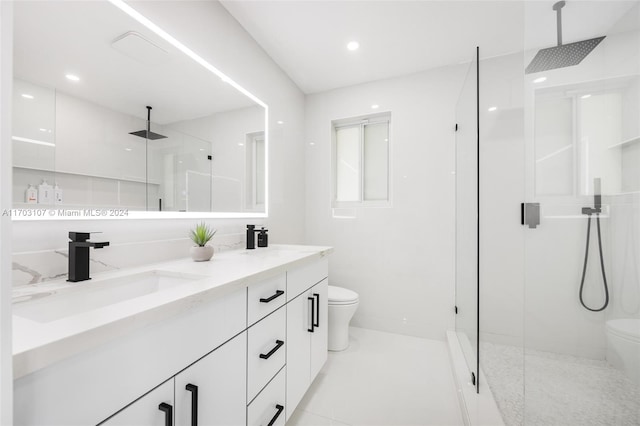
[(548, 220)]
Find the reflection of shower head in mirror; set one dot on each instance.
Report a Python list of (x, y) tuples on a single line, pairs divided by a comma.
[(147, 133)]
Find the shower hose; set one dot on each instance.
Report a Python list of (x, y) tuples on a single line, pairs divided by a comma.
[(584, 268)]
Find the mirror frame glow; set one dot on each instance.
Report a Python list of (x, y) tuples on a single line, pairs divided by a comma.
[(103, 214)]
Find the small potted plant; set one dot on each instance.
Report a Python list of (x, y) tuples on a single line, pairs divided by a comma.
[(201, 235)]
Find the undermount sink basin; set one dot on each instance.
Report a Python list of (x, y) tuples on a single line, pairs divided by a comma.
[(90, 295)]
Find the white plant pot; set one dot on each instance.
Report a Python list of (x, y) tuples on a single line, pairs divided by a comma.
[(201, 254)]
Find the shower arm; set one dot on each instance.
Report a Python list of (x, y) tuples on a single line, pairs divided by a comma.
[(148, 118), (558, 8)]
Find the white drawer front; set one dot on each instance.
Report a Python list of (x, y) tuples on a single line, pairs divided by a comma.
[(269, 404), (266, 352), (266, 297), (304, 277)]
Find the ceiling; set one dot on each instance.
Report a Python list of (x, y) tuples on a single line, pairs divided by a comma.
[(52, 39), (307, 39)]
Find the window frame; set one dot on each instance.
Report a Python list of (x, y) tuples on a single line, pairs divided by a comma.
[(361, 122)]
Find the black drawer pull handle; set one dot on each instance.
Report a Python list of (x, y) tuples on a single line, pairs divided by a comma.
[(168, 413), (273, 420), (313, 313), (269, 299), (278, 345), (194, 403), (317, 320)]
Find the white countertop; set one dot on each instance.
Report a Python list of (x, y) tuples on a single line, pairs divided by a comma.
[(39, 344)]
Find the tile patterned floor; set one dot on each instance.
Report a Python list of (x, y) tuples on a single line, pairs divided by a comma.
[(558, 390), (382, 379)]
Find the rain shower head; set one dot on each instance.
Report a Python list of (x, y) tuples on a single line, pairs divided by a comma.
[(147, 133), (562, 55)]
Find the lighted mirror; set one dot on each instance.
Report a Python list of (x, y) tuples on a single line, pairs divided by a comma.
[(85, 141)]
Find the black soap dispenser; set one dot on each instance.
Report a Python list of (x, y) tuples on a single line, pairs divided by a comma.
[(263, 238)]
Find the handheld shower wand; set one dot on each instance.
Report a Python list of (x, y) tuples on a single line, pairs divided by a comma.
[(597, 209)]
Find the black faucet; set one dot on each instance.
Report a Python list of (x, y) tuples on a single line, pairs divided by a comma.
[(251, 237), (79, 255)]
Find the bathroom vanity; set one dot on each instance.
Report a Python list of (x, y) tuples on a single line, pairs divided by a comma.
[(234, 341)]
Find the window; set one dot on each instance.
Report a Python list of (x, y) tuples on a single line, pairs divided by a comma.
[(361, 161)]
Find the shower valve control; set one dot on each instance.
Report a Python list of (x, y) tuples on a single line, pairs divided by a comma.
[(530, 214)]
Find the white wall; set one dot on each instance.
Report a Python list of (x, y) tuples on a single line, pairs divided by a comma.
[(6, 83), (398, 259), (207, 28)]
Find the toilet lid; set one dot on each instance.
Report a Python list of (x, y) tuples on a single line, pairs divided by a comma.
[(629, 328), (342, 295)]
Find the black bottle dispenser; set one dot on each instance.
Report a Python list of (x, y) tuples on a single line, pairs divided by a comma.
[(263, 238)]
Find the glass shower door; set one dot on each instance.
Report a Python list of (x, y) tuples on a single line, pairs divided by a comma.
[(581, 262), (467, 219)]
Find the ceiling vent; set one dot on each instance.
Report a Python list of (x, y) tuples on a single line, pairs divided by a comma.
[(138, 48)]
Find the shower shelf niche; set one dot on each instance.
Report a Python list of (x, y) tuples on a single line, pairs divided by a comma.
[(627, 142)]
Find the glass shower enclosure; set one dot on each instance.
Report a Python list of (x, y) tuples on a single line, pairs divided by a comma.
[(548, 222)]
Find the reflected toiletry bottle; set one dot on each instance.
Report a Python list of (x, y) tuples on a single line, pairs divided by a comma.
[(45, 193), (31, 195), (57, 194)]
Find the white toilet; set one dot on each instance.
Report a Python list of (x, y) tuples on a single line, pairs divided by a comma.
[(623, 346), (342, 305)]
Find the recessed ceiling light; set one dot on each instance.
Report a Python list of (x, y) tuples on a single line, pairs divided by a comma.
[(27, 96), (588, 95), (353, 45), (280, 122), (312, 143), (201, 149), (43, 130), (491, 109), (375, 106), (128, 149), (240, 144), (72, 77), (540, 79), (180, 162)]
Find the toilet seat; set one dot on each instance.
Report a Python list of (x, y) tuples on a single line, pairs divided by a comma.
[(625, 328), (342, 296)]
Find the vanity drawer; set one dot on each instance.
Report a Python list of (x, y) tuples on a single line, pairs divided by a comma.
[(266, 351), (305, 277), (265, 297), (269, 406)]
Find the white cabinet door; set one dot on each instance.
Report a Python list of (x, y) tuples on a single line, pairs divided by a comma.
[(213, 390), (153, 409), (319, 337), (298, 349)]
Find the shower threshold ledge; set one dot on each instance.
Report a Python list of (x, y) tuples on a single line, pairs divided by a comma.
[(476, 408)]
